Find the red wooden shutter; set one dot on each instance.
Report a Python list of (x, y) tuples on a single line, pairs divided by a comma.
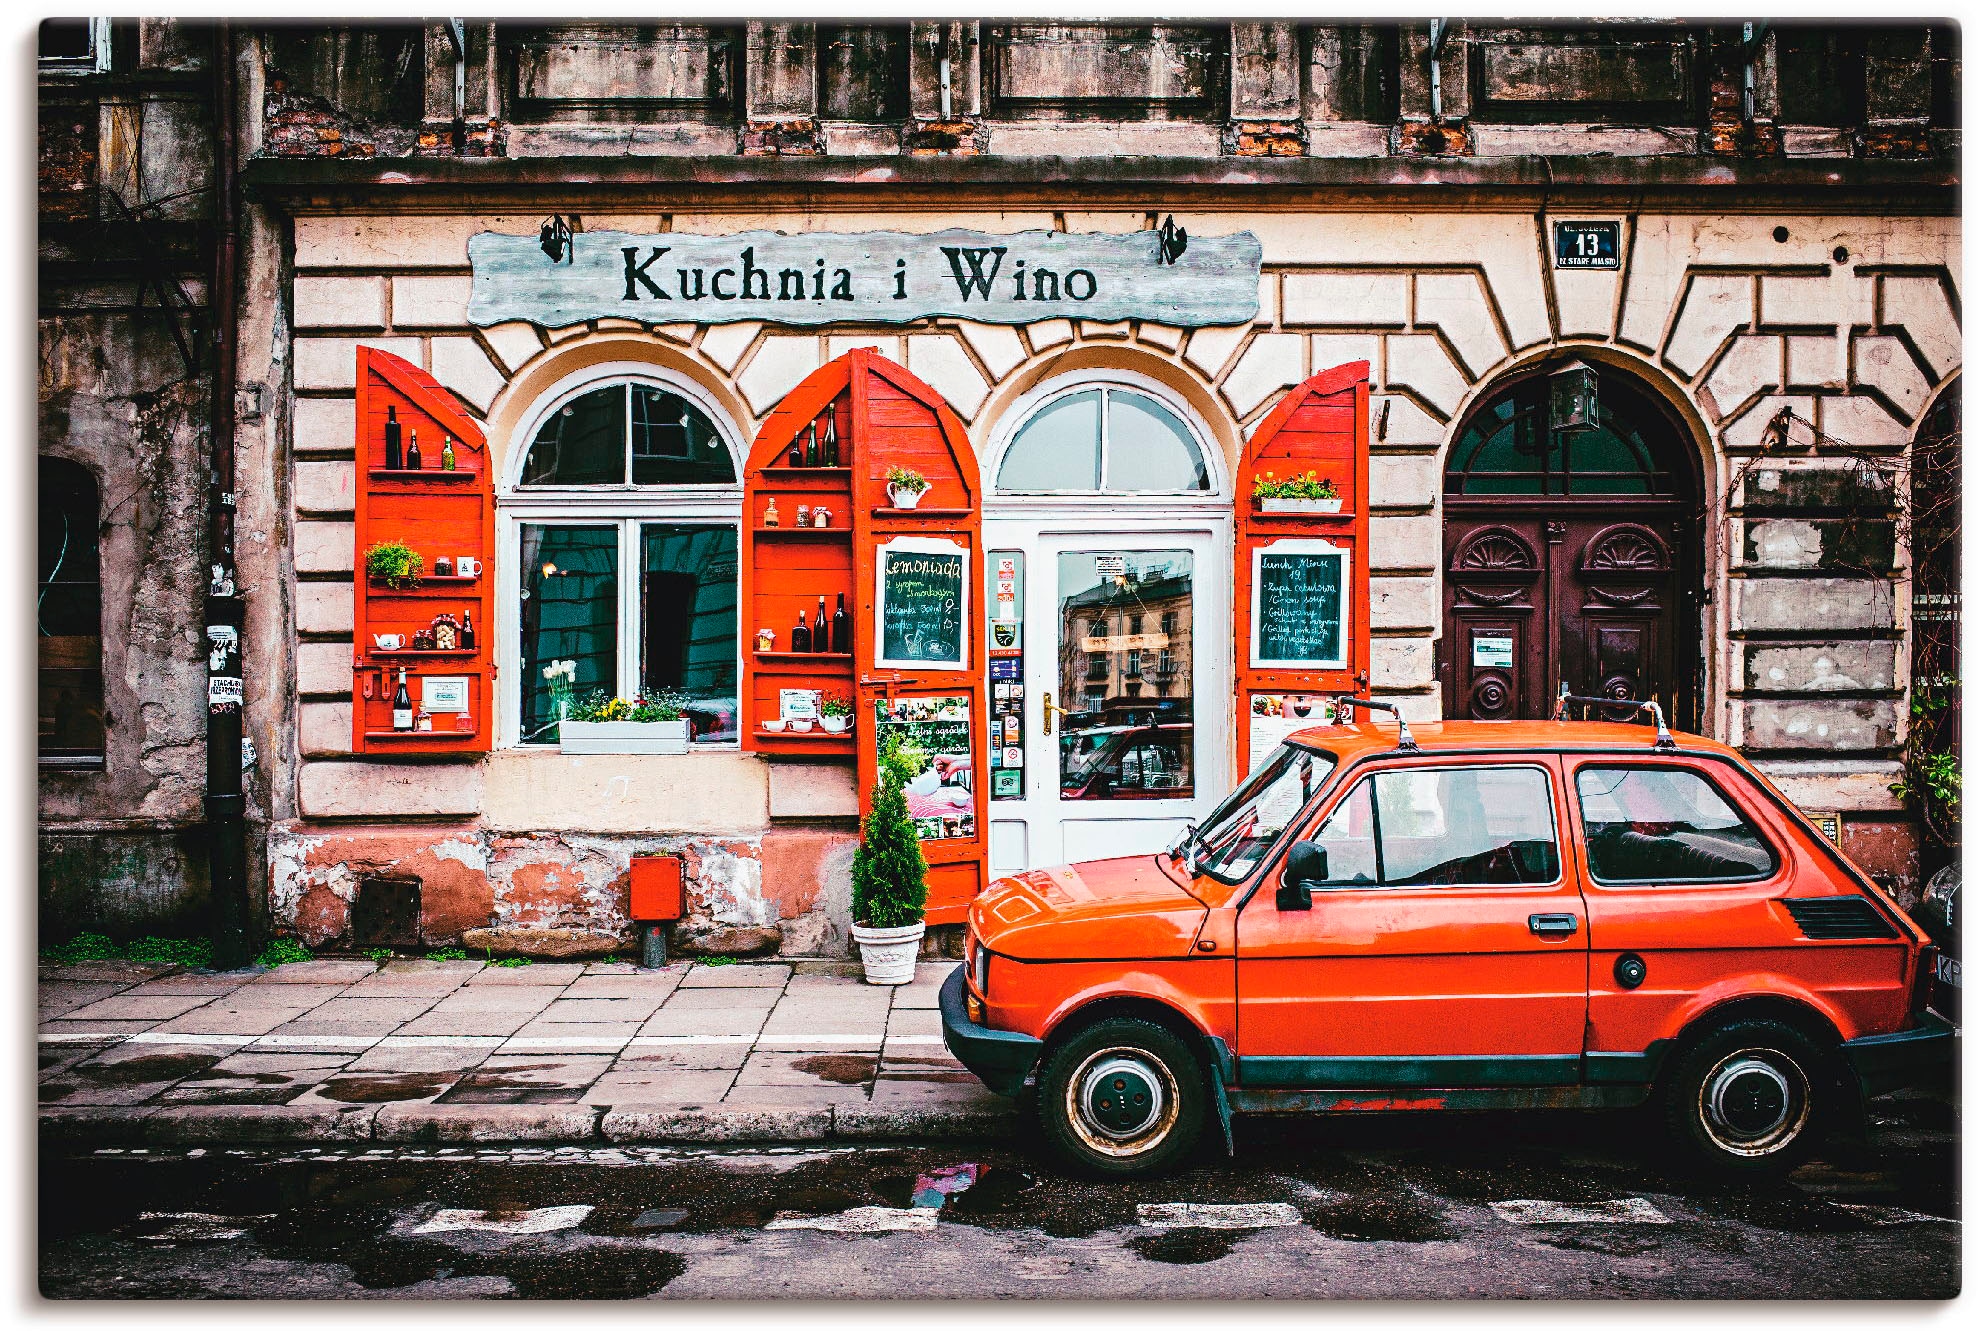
[(440, 514), (1320, 426)]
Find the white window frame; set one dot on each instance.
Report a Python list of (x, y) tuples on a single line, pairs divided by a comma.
[(1064, 385), (624, 506), (97, 61)]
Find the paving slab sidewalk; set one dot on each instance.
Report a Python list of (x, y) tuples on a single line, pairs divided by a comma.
[(422, 1051)]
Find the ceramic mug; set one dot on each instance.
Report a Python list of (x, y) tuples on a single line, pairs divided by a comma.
[(467, 566), (388, 642)]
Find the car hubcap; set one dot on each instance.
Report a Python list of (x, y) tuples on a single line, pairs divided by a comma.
[(1122, 1101), (1754, 1102)]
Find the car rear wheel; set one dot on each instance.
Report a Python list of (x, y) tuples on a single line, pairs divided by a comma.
[(1122, 1097), (1752, 1097)]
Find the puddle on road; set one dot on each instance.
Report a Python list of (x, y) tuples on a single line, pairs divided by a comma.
[(1188, 1247), (1388, 1217), (384, 1087), (840, 1069), (145, 1067)]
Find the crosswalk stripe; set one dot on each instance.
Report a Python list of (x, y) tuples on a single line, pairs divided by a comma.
[(541, 1220), (1618, 1211), (863, 1220), (1891, 1215), (1203, 1215)]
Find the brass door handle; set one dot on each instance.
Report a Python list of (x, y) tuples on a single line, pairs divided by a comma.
[(1049, 708)]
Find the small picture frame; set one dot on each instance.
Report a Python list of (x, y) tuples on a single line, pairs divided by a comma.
[(443, 693)]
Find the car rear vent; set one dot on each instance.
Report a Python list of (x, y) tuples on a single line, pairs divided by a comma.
[(1839, 917)]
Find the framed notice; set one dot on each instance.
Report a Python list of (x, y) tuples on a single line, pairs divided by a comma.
[(1299, 605), (443, 693), (920, 609)]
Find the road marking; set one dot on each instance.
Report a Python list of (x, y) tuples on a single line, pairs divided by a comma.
[(691, 1039), (196, 1226), (1619, 1211), (862, 1220), (1200, 1215), (1891, 1215), (541, 1220)]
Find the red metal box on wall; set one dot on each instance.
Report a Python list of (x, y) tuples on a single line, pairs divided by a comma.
[(656, 894)]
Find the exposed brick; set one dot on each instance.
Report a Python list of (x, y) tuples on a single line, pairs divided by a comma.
[(1420, 138), (1264, 138), (1896, 138), (797, 137), (66, 164), (962, 137)]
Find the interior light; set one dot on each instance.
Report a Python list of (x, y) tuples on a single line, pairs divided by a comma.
[(549, 570)]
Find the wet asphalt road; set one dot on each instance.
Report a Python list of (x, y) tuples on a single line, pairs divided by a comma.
[(1392, 1207)]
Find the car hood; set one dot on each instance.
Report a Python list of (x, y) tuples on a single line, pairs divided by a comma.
[(1103, 908)]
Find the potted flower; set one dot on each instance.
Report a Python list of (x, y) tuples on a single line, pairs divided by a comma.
[(905, 486), (394, 563), (889, 876), (603, 723), (1306, 493), (836, 712)]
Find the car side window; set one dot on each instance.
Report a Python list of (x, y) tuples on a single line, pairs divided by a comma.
[(1418, 827), (1666, 825)]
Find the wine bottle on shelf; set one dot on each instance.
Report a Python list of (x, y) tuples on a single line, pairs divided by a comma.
[(448, 462), (810, 444), (820, 636), (467, 631), (401, 705), (841, 628), (830, 449), (796, 458), (412, 453), (800, 635), (394, 453)]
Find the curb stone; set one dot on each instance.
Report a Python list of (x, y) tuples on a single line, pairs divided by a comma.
[(92, 1125), (484, 1124), (944, 1123), (258, 1123), (717, 1123)]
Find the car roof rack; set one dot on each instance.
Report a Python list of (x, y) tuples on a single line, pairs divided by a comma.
[(1663, 739), (1405, 739)]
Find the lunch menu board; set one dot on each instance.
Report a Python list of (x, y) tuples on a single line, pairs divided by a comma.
[(922, 604), (941, 800), (1298, 609)]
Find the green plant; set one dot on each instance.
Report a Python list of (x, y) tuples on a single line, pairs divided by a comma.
[(447, 954), (281, 951), (717, 961), (379, 954), (516, 961), (836, 705), (172, 951), (1309, 485), (84, 947), (902, 761), (1933, 776), (889, 874), (394, 563), (905, 478)]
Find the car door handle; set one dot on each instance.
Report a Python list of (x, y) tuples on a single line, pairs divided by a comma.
[(1553, 926)]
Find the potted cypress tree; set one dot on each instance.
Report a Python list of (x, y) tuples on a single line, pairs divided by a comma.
[(889, 876)]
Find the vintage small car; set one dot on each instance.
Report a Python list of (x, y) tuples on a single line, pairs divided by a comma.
[(1476, 915)]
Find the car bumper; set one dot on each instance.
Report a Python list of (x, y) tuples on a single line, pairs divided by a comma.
[(1883, 1063), (1002, 1059)]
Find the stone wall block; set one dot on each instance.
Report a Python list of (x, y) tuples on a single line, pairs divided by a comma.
[(325, 487), (1050, 332), (515, 344), (999, 348), (1398, 544), (1849, 667), (340, 302), (407, 790), (813, 790), (1420, 362), (1811, 605), (1405, 424), (1331, 349), (1921, 307), (1838, 725), (1884, 364), (1403, 603), (324, 424), (1346, 300), (940, 361), (1837, 545), (1272, 361), (1401, 663), (1208, 349), (1165, 336), (331, 362), (1817, 362), (460, 364), (1863, 422), (779, 365), (1751, 367), (1454, 303), (1410, 480), (724, 343), (325, 547), (1716, 306), (1753, 428), (324, 607), (325, 729), (1805, 302), (1813, 487), (322, 668), (430, 301)]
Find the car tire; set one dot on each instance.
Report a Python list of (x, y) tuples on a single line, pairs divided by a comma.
[(1122, 1098), (1751, 1098)]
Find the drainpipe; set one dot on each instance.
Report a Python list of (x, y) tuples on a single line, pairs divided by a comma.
[(226, 807)]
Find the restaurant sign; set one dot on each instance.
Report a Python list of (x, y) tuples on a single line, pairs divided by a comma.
[(816, 278)]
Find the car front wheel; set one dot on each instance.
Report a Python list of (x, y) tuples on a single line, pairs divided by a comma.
[(1122, 1097), (1750, 1098)]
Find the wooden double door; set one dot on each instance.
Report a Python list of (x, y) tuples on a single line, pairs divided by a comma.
[(1598, 593)]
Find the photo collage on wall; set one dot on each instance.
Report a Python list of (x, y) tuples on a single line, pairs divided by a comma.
[(941, 800)]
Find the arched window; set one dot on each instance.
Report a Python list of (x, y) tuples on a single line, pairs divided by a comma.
[(69, 617), (1509, 448), (1107, 439), (625, 510)]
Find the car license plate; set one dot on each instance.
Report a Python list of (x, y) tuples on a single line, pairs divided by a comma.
[(1950, 971)]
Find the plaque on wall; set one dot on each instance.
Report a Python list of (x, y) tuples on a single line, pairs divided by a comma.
[(1586, 244)]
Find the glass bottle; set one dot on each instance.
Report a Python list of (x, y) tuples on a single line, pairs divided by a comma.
[(412, 462), (820, 635), (467, 631), (803, 515), (401, 704), (830, 451), (796, 458), (810, 444), (770, 517), (394, 450), (448, 462), (800, 635), (841, 628)]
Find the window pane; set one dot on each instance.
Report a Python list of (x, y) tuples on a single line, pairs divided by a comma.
[(1348, 840), (1665, 825), (569, 613), (582, 443), (1150, 449), (1057, 449), (674, 443), (1243, 829), (688, 609), (68, 615), (1130, 733), (1477, 825)]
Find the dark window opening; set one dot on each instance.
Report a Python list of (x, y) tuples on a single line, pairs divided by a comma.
[(1508, 446), (862, 71), (662, 437), (1665, 825), (691, 647), (69, 618), (1823, 79)]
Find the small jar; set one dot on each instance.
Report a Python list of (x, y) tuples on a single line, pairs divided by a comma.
[(803, 515), (820, 516), (770, 517), (765, 640)]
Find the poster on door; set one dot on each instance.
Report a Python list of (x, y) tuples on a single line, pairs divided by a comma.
[(936, 731), (1275, 717)]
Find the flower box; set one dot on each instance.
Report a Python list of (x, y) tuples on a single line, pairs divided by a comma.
[(623, 736), (1299, 505)]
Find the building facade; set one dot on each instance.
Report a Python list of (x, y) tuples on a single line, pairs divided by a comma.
[(1748, 233)]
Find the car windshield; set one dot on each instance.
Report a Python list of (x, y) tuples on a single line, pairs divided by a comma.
[(1242, 830)]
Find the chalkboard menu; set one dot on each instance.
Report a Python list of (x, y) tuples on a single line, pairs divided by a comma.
[(1298, 592), (922, 605)]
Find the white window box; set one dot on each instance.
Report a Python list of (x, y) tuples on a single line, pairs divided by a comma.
[(1299, 505), (623, 736)]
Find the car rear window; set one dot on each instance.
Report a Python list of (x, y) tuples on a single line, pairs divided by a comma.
[(1666, 825)]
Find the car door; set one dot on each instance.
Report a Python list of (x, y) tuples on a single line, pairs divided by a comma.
[(1445, 945)]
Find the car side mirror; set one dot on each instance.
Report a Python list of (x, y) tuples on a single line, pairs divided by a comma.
[(1304, 867)]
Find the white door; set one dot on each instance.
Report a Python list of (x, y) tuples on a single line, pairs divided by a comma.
[(1125, 697)]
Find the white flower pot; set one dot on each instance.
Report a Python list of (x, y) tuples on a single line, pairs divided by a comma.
[(903, 498), (890, 955), (623, 736), (836, 725), (1300, 505)]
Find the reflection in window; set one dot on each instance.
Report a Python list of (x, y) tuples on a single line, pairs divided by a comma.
[(1121, 742), (68, 617), (1244, 827), (688, 607), (1113, 440), (1508, 446), (652, 435), (1420, 828), (1665, 825), (569, 613)]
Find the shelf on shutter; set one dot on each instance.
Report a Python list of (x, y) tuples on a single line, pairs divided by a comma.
[(804, 533), (425, 651), (419, 734), (821, 473), (923, 512), (423, 474), (799, 658)]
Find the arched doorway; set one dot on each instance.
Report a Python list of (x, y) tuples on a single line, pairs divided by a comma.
[(1570, 556)]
